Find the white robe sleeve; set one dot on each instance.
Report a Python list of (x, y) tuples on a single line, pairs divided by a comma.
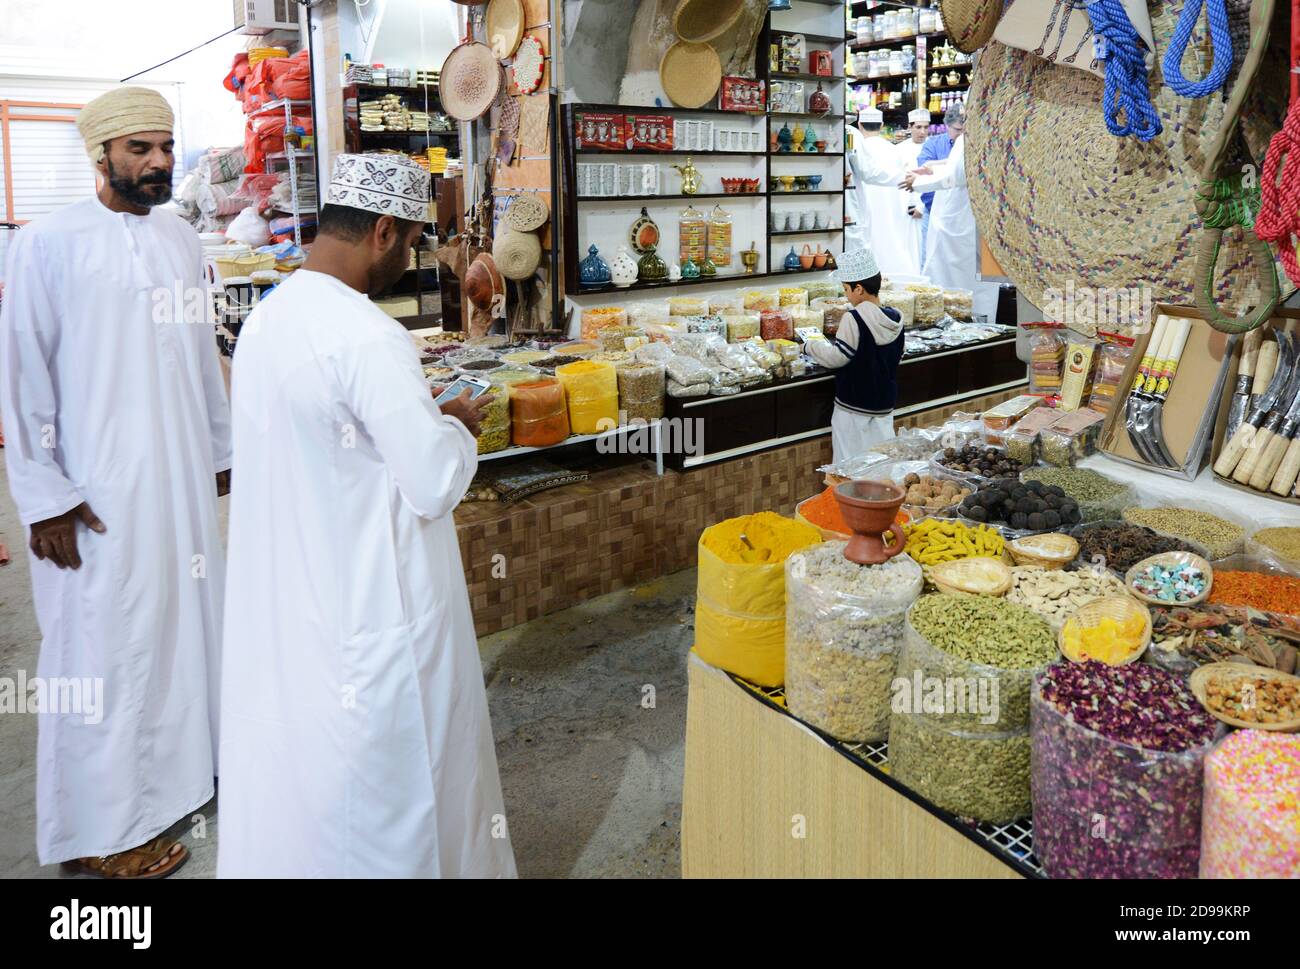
[(29, 334), (214, 392), (951, 175), (432, 457)]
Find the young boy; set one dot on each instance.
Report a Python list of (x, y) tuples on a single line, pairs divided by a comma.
[(864, 354)]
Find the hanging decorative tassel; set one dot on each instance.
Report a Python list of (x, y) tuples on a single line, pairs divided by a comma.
[(1220, 38), (1120, 48)]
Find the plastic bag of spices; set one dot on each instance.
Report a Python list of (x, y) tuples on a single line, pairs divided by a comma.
[(641, 391), (844, 630), (540, 415), (740, 597), (591, 387), (494, 425), (1118, 757), (776, 325)]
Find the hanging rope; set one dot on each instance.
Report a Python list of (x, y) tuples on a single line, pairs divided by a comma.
[(1220, 39), (1120, 48), (1279, 215)]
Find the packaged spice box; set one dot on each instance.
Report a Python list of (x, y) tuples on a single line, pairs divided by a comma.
[(844, 629), (1118, 758), (997, 420)]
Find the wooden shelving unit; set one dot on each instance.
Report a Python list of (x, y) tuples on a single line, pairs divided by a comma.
[(574, 248)]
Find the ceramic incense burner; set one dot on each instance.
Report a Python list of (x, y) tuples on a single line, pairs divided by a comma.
[(869, 509)]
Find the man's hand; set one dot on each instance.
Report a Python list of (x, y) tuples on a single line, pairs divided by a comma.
[(223, 483), (56, 538), (914, 213), (468, 412)]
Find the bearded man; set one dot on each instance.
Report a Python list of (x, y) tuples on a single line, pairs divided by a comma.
[(117, 442)]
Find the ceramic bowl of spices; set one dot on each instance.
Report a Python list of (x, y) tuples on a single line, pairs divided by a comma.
[(1171, 579)]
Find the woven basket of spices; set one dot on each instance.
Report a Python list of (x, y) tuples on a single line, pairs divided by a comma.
[(1138, 578), (1115, 631), (1249, 696), (1051, 551)]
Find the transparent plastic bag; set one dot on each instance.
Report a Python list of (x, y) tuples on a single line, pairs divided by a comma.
[(841, 649), (983, 698), (1046, 357), (1239, 839), (707, 324), (596, 319), (1280, 538), (659, 353), (641, 389), (1108, 498), (494, 426), (539, 413), (698, 389), (686, 370), (984, 776), (1227, 539), (1107, 809), (776, 325), (741, 326), (1112, 358)]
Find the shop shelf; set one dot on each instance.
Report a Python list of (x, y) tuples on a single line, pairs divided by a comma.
[(784, 76), (806, 232), (897, 41), (815, 38), (512, 452), (615, 152), (662, 198), (797, 194)]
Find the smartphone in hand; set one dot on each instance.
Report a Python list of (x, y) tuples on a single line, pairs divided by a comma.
[(477, 387)]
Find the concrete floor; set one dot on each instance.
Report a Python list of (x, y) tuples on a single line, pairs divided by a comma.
[(591, 768)]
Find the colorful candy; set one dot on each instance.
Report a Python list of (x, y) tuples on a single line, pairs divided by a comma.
[(1251, 816), (1172, 584)]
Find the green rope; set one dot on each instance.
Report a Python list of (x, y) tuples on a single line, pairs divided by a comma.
[(1228, 203)]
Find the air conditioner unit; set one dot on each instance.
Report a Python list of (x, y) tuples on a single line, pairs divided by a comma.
[(264, 16)]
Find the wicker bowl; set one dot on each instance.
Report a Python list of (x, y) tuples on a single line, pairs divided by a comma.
[(1168, 559), (979, 576), (1051, 551), (1112, 607), (1202, 678)]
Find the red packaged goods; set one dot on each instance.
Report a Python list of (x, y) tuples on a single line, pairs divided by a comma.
[(238, 76), (649, 132), (744, 94), (776, 325), (821, 62), (290, 76), (601, 131)]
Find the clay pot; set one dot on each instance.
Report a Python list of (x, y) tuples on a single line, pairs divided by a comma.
[(820, 257), (869, 509), (806, 257)]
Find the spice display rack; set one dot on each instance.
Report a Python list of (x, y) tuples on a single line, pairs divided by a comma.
[(574, 248)]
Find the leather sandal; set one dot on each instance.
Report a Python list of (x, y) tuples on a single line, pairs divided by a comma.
[(135, 863)]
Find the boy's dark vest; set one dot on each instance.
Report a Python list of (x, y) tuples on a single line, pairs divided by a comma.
[(868, 383)]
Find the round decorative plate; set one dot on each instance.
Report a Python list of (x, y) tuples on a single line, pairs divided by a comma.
[(645, 234), (530, 65)]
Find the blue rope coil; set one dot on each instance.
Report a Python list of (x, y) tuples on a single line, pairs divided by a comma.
[(1120, 48), (1220, 38)]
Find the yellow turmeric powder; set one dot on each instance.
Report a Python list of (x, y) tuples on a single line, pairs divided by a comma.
[(772, 537)]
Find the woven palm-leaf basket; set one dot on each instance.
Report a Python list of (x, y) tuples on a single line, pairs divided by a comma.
[(1057, 197)]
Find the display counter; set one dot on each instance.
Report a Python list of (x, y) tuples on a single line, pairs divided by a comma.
[(799, 408), (766, 796)]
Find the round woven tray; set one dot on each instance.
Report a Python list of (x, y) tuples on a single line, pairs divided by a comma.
[(1201, 679), (977, 576), (1168, 559), (1051, 551), (691, 74), (1113, 607)]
